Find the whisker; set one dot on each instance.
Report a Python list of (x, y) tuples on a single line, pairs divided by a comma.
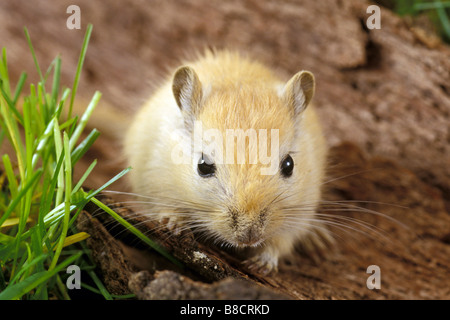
[(349, 175), (342, 227), (174, 202), (308, 228)]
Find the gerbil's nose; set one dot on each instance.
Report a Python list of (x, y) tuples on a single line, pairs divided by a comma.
[(248, 226), (250, 235)]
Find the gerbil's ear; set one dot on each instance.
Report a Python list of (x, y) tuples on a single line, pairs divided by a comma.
[(299, 91), (187, 90)]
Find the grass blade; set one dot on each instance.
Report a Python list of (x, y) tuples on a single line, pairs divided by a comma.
[(30, 45), (20, 195), (84, 146), (17, 290), (84, 119), (67, 204), (136, 232), (79, 67)]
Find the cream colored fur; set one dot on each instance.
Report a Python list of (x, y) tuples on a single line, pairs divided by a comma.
[(233, 92)]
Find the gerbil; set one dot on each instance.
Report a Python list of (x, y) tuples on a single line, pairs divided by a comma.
[(232, 204)]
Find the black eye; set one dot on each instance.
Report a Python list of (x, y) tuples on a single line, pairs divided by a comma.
[(206, 168), (287, 166)]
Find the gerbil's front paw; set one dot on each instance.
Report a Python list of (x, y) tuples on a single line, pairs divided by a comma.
[(263, 263), (318, 243), (173, 224)]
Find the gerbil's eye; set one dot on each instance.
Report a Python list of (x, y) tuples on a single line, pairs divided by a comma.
[(287, 166), (206, 168)]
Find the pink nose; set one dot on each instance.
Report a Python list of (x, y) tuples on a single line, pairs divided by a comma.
[(250, 236)]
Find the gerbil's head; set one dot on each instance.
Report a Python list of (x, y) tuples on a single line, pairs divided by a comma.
[(249, 166)]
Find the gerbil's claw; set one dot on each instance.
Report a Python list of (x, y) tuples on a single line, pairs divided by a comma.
[(263, 264)]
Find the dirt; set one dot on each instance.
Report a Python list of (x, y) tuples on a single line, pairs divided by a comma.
[(383, 97)]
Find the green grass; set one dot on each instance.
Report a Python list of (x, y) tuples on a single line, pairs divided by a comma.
[(39, 201), (437, 10)]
